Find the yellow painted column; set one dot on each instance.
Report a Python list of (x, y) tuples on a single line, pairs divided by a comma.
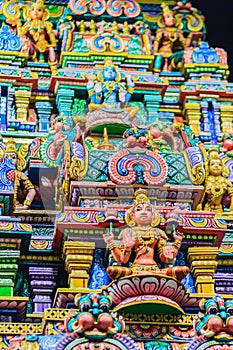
[(192, 112), (203, 261), (226, 113), (22, 99), (78, 258)]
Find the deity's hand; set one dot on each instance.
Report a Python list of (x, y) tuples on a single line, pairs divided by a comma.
[(129, 245), (90, 83), (122, 96), (108, 237), (128, 241), (14, 22), (168, 252), (130, 83), (178, 236), (98, 88)]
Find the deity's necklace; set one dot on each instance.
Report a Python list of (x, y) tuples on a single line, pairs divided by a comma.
[(110, 85), (172, 34), (145, 237)]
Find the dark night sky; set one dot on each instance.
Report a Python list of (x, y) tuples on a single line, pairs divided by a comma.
[(219, 25)]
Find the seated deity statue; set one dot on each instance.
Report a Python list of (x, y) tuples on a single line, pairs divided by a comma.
[(146, 241), (169, 40), (217, 185), (108, 93), (22, 182)]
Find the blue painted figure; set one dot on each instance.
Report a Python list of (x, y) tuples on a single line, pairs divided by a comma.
[(106, 91)]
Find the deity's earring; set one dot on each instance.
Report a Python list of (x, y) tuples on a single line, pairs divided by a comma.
[(156, 219), (46, 15), (128, 219), (225, 171)]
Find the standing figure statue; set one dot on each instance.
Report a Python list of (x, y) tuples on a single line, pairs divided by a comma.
[(22, 182), (146, 241), (169, 41), (217, 185), (37, 32), (107, 92)]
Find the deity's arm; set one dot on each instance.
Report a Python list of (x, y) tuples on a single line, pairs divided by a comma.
[(167, 253), (29, 187), (182, 40), (50, 32), (95, 91), (158, 38), (230, 192), (22, 29), (121, 253)]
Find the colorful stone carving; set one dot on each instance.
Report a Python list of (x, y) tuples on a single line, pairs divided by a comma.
[(124, 167), (217, 185), (35, 31), (143, 237), (168, 38), (217, 319), (115, 8), (106, 91), (118, 68), (21, 180), (94, 321), (63, 130)]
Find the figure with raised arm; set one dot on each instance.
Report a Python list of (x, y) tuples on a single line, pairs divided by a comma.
[(107, 92), (146, 240)]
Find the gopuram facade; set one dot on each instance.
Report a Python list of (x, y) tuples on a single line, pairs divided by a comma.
[(116, 178)]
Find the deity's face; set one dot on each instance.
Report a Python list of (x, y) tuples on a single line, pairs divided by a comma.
[(142, 214), (37, 12), (215, 167), (109, 73), (169, 20), (12, 156)]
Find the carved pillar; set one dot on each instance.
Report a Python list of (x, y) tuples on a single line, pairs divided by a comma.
[(203, 265), (22, 99), (78, 258), (226, 113), (8, 269), (65, 100), (193, 115), (42, 284), (152, 103), (44, 108)]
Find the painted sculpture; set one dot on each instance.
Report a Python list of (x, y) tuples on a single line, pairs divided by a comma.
[(37, 32), (22, 182), (107, 92), (169, 41), (217, 319), (144, 238), (217, 185), (63, 130), (94, 320)]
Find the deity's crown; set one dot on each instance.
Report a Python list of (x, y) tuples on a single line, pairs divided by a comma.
[(213, 152), (141, 197), (166, 9), (11, 147), (40, 3), (108, 62)]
